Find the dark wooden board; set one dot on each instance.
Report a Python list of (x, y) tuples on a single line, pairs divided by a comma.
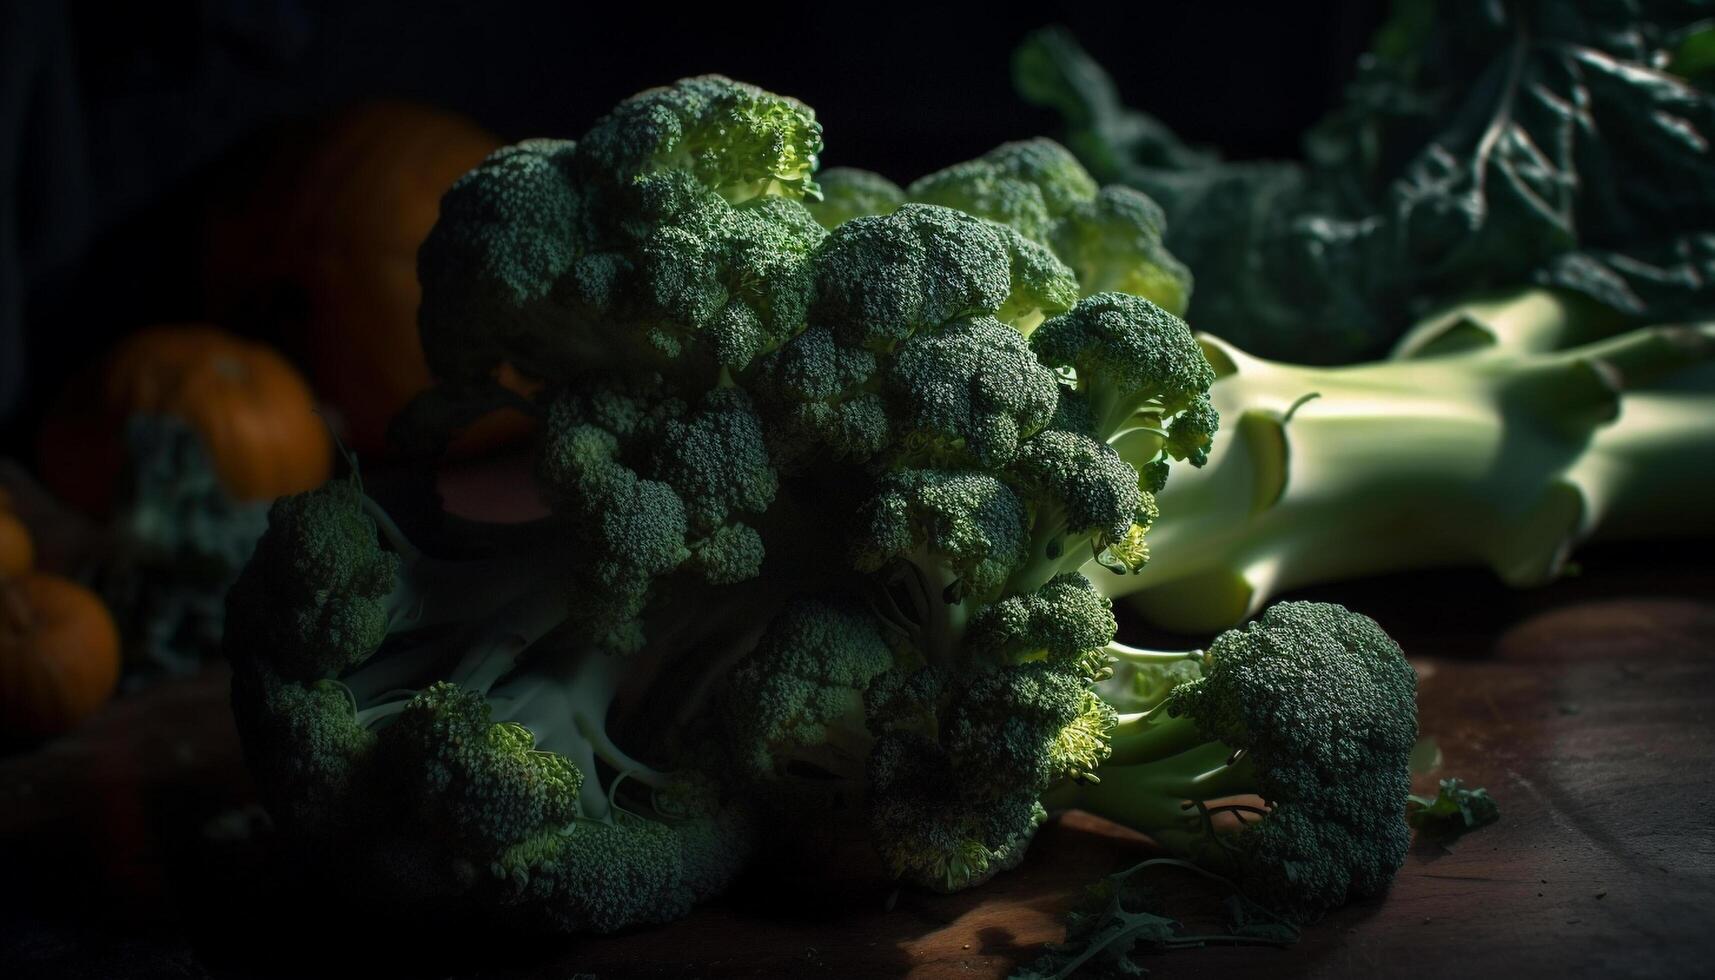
[(133, 848)]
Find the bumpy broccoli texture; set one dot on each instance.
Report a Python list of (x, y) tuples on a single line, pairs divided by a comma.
[(828, 472)]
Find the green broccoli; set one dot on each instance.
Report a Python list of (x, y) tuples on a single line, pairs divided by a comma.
[(1311, 711), (820, 503)]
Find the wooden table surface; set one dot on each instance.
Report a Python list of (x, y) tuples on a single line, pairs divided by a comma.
[(134, 848)]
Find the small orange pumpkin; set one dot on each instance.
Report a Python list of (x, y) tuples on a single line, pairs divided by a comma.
[(328, 232), (255, 414), (59, 655), (17, 549)]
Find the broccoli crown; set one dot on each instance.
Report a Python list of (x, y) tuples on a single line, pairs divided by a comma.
[(318, 588), (585, 722), (848, 193)]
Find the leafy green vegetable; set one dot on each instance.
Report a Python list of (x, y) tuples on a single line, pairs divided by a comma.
[(1452, 813), (1480, 144), (1122, 917)]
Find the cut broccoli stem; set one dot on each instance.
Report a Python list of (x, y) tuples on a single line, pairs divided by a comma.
[(1500, 454)]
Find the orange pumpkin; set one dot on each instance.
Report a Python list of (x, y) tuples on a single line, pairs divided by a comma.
[(17, 550), (324, 239), (253, 410), (59, 655)]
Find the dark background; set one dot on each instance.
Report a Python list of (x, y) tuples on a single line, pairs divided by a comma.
[(116, 116)]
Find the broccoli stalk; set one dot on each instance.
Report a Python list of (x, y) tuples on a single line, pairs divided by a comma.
[(1500, 433)]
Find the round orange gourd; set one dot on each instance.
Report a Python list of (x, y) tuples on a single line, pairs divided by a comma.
[(17, 549), (328, 235), (59, 655), (254, 411)]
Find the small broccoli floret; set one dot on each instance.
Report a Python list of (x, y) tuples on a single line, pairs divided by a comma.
[(735, 139), (1042, 285), (320, 591), (306, 743), (716, 460), (485, 783), (509, 231), (931, 836), (881, 278), (1110, 237), (848, 193), (966, 530), (1022, 727), (1137, 365), (795, 705), (1313, 709), (1066, 622), (1114, 242), (1085, 499), (968, 392), (706, 276), (822, 401), (1028, 185)]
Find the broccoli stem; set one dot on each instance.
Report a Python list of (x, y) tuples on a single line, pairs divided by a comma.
[(1499, 453), (1133, 655), (1164, 792)]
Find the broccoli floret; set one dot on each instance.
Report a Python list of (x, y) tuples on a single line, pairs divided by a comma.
[(881, 278), (1023, 727), (795, 705), (969, 392), (1312, 710), (320, 592), (965, 529), (735, 139), (848, 193), (1029, 185), (1114, 242), (1137, 365), (484, 782), (510, 232), (1066, 622), (930, 835), (1110, 237)]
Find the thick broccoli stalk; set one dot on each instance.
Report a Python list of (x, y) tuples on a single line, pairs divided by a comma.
[(1285, 766), (1501, 434)]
